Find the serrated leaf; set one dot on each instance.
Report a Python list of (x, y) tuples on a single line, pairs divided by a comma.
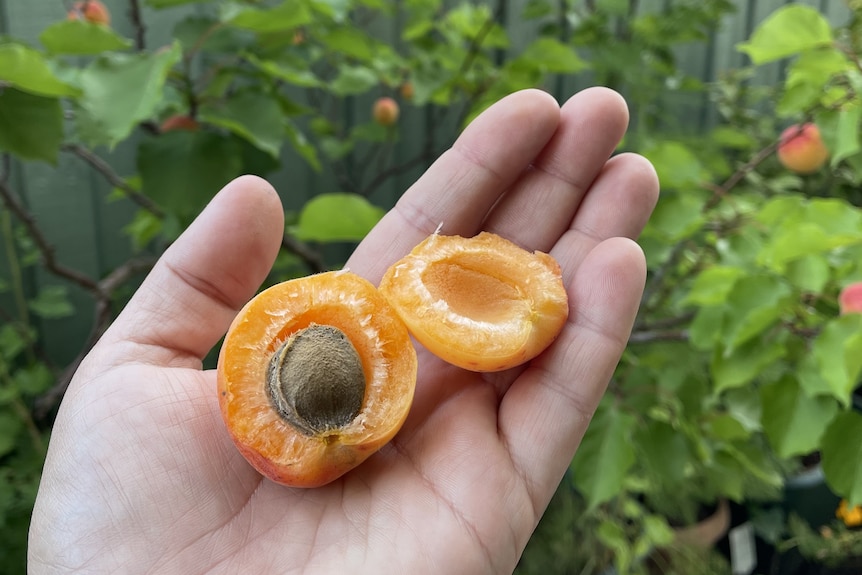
[(552, 56), (744, 364), (182, 171), (52, 302), (713, 285), (678, 166), (81, 38), (286, 16), (809, 273), (353, 80), (838, 351), (794, 421), (27, 69), (704, 331), (302, 146), (605, 455), (350, 41), (337, 218), (252, 116), (302, 77), (840, 132), (753, 305), (33, 380), (207, 34), (121, 90), (841, 453), (802, 239), (31, 127), (10, 426), (12, 341), (787, 31), (665, 451)]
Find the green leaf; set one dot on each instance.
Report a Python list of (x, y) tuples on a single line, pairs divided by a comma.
[(726, 427), (809, 273), (52, 302), (842, 456), (665, 451), (754, 304), (81, 38), (12, 341), (10, 426), (605, 455), (704, 332), (787, 31), (251, 115), (806, 77), (838, 351), (33, 380), (350, 41), (677, 215), (182, 171), (678, 166), (171, 3), (28, 70), (840, 131), (745, 363), (302, 146), (353, 80), (286, 16), (336, 218), (713, 285), (31, 127), (794, 421), (121, 90), (793, 240), (302, 77), (553, 56)]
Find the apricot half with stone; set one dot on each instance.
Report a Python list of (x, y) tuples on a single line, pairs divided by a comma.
[(314, 375), (481, 303)]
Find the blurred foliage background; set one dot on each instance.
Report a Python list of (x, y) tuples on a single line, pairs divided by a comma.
[(743, 369)]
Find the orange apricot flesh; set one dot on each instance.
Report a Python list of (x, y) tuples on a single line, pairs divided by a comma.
[(272, 444), (480, 303)]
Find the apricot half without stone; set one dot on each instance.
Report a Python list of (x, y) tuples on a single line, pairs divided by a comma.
[(480, 303), (315, 375)]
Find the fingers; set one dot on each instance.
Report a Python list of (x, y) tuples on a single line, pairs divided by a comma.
[(192, 294), (461, 187), (618, 205), (536, 211), (545, 412)]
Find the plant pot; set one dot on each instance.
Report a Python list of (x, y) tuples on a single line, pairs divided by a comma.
[(707, 532), (807, 495)]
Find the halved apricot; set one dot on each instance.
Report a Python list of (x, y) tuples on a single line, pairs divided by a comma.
[(314, 375), (481, 303)]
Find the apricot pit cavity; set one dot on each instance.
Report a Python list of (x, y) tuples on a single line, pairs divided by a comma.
[(316, 381)]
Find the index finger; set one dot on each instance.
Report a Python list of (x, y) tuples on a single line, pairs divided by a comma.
[(465, 182)]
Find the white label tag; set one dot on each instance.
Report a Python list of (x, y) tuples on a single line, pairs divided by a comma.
[(743, 555)]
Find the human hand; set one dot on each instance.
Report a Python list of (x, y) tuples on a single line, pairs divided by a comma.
[(141, 475)]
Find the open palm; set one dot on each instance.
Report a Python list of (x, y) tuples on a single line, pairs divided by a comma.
[(141, 475)]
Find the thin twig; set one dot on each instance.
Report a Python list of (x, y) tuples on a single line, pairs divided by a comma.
[(46, 250), (310, 257), (113, 178), (651, 336), (138, 24)]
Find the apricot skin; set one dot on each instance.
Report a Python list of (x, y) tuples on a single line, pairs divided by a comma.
[(270, 444), (850, 299), (481, 303), (801, 149), (93, 11), (386, 111)]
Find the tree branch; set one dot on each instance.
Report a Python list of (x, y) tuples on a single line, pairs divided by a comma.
[(113, 178), (138, 24)]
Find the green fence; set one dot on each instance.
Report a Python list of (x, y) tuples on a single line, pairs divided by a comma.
[(72, 201)]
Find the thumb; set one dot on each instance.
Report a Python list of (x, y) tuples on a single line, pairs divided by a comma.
[(194, 291)]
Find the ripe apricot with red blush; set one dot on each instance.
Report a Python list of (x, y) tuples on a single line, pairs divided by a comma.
[(480, 303), (314, 376)]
